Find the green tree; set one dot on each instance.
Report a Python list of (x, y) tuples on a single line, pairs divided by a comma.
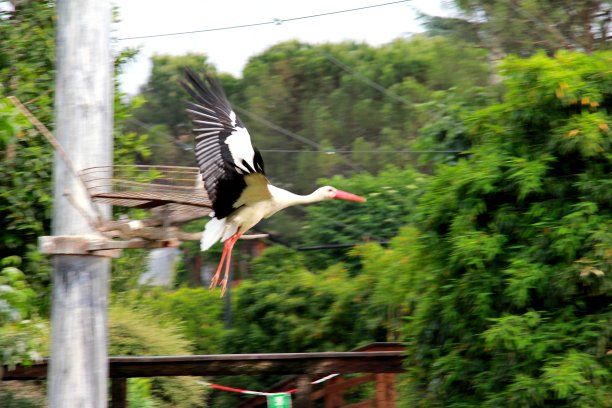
[(161, 111), (349, 96), (22, 334), (447, 138), (284, 307), (164, 98), (391, 195), (512, 268), (523, 27), (26, 71)]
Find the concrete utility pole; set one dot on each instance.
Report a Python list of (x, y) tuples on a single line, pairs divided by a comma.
[(83, 115)]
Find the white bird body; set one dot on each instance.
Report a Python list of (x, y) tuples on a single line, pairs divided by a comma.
[(251, 212), (233, 173)]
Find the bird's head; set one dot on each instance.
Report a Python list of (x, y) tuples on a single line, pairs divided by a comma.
[(329, 192)]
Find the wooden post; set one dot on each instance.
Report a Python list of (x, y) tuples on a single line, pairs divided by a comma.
[(302, 396), (83, 115), (333, 395), (119, 393), (385, 391)]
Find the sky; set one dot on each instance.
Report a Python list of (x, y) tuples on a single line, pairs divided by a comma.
[(229, 50)]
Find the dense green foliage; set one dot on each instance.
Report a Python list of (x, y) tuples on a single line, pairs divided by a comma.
[(286, 308), (524, 27), (199, 311), (511, 279), (26, 72), (11, 398), (23, 335), (391, 195), (325, 94)]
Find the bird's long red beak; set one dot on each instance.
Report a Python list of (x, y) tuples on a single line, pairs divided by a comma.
[(343, 195)]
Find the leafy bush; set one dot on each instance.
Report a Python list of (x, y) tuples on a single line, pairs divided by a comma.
[(22, 335), (199, 312), (512, 262), (392, 196), (10, 399), (138, 332)]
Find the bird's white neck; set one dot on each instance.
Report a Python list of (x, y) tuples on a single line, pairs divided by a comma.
[(285, 198)]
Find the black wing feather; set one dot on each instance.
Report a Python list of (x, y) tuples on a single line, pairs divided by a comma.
[(211, 115)]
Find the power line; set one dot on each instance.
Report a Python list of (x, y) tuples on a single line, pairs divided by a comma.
[(186, 147), (278, 128), (338, 246), (276, 21), (366, 80), (293, 135), (359, 151)]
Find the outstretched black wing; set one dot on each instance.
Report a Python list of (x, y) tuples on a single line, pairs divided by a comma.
[(223, 146)]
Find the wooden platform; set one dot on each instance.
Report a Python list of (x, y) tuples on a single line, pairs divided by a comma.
[(177, 193)]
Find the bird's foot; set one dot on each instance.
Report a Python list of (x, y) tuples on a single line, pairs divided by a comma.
[(228, 261), (214, 280), (223, 286), (217, 275)]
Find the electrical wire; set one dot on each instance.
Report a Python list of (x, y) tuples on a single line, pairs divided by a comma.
[(275, 21), (365, 79), (189, 148), (294, 135), (361, 151)]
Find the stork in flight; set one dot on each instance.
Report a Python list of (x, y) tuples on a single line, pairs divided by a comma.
[(233, 171)]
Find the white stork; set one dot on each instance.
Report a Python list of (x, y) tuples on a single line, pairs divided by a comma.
[(233, 171)]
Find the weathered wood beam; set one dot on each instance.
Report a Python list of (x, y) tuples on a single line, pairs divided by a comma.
[(148, 237), (237, 364)]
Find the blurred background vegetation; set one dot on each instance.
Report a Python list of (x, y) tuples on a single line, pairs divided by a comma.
[(483, 147)]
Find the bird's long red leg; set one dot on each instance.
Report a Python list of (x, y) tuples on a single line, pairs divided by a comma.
[(232, 241), (217, 275)]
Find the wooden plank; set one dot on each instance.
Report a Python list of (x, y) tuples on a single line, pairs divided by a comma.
[(284, 363), (37, 371), (238, 364)]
